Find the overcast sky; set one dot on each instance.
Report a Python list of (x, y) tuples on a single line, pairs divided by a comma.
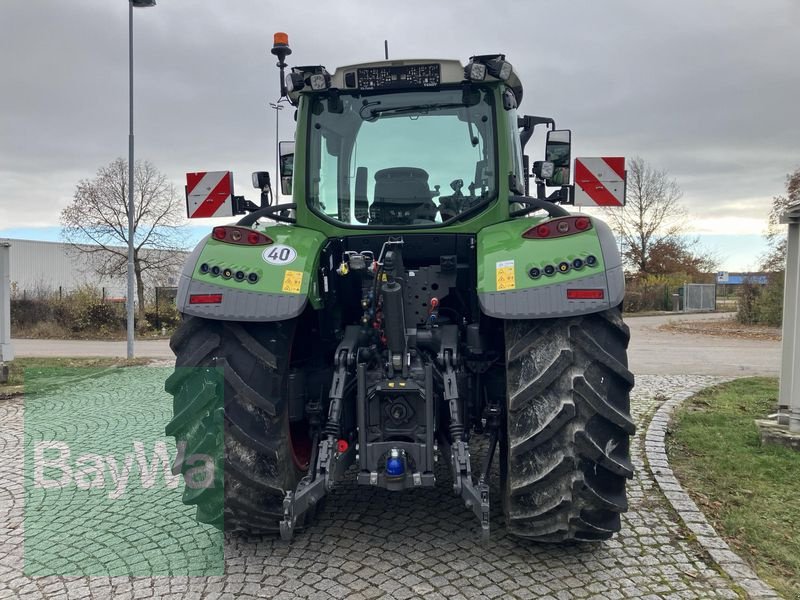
[(708, 91)]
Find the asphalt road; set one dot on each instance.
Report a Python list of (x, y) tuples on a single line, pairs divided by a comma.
[(652, 352)]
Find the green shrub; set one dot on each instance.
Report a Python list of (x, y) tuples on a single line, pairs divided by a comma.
[(761, 305), (167, 316), (102, 318), (81, 312), (769, 309), (747, 311)]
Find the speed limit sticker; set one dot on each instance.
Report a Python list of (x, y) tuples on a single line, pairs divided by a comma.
[(279, 254)]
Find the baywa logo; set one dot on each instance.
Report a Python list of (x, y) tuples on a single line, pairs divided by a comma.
[(56, 466)]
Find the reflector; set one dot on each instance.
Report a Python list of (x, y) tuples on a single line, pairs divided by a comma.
[(205, 298), (585, 294)]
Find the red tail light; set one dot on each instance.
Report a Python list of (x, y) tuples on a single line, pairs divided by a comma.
[(558, 228), (205, 299), (582, 223), (585, 294), (243, 236)]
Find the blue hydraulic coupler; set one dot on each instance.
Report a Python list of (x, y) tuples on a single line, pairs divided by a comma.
[(395, 464)]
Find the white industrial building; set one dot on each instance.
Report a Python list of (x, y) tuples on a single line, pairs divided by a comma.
[(38, 267)]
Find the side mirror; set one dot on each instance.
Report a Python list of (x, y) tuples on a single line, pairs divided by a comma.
[(286, 151), (558, 150)]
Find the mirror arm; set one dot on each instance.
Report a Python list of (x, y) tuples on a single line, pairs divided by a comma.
[(266, 196), (528, 123), (270, 213), (534, 204), (540, 188), (561, 195), (526, 168)]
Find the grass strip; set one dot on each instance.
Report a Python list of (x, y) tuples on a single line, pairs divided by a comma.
[(749, 492)]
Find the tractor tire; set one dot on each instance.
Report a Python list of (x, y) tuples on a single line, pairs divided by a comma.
[(565, 454), (245, 428)]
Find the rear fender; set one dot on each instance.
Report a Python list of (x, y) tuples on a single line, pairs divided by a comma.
[(284, 275), (508, 287)]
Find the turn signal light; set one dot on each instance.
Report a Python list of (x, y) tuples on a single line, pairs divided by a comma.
[(558, 228), (205, 299), (243, 236), (586, 294)]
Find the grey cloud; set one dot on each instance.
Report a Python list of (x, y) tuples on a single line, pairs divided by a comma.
[(707, 90)]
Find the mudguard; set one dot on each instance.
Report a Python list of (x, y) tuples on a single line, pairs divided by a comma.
[(512, 271), (256, 283)]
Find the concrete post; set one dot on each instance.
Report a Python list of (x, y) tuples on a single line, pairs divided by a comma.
[(789, 394), (6, 351)]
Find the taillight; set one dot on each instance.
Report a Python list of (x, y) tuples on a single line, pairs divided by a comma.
[(205, 298), (558, 228), (587, 294), (243, 236)]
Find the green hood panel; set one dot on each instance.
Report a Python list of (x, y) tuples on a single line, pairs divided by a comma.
[(521, 278), (505, 258), (257, 283)]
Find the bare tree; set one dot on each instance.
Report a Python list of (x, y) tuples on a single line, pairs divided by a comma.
[(96, 222), (652, 218)]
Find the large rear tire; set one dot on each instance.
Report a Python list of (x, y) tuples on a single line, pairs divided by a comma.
[(254, 458), (565, 452)]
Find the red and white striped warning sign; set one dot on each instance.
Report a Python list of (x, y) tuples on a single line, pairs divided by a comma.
[(209, 194), (600, 181)]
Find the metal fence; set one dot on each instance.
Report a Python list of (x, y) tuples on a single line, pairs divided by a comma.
[(699, 296)]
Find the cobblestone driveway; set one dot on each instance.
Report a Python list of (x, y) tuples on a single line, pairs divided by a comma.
[(369, 543)]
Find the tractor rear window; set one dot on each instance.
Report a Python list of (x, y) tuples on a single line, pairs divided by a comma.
[(402, 159)]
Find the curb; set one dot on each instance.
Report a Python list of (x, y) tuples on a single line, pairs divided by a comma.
[(739, 572)]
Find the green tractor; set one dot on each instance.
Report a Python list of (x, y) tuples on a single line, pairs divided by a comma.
[(412, 299)]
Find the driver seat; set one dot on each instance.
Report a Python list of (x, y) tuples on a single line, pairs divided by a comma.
[(402, 197)]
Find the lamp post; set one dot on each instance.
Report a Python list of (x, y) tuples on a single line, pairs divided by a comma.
[(131, 276), (277, 106)]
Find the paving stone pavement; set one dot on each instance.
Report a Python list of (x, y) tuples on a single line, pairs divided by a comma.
[(370, 543)]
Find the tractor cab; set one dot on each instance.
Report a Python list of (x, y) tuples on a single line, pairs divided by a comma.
[(407, 144)]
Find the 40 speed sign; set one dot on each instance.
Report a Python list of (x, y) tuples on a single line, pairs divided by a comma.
[(279, 254)]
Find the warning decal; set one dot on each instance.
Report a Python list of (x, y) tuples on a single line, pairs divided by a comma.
[(292, 282), (600, 181), (504, 272), (209, 194)]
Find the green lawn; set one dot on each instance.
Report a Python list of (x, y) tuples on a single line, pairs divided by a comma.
[(18, 366), (750, 493)]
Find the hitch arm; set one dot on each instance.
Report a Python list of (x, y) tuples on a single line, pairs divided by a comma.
[(476, 497)]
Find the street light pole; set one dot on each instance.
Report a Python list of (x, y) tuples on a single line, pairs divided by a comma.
[(277, 106), (131, 275)]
